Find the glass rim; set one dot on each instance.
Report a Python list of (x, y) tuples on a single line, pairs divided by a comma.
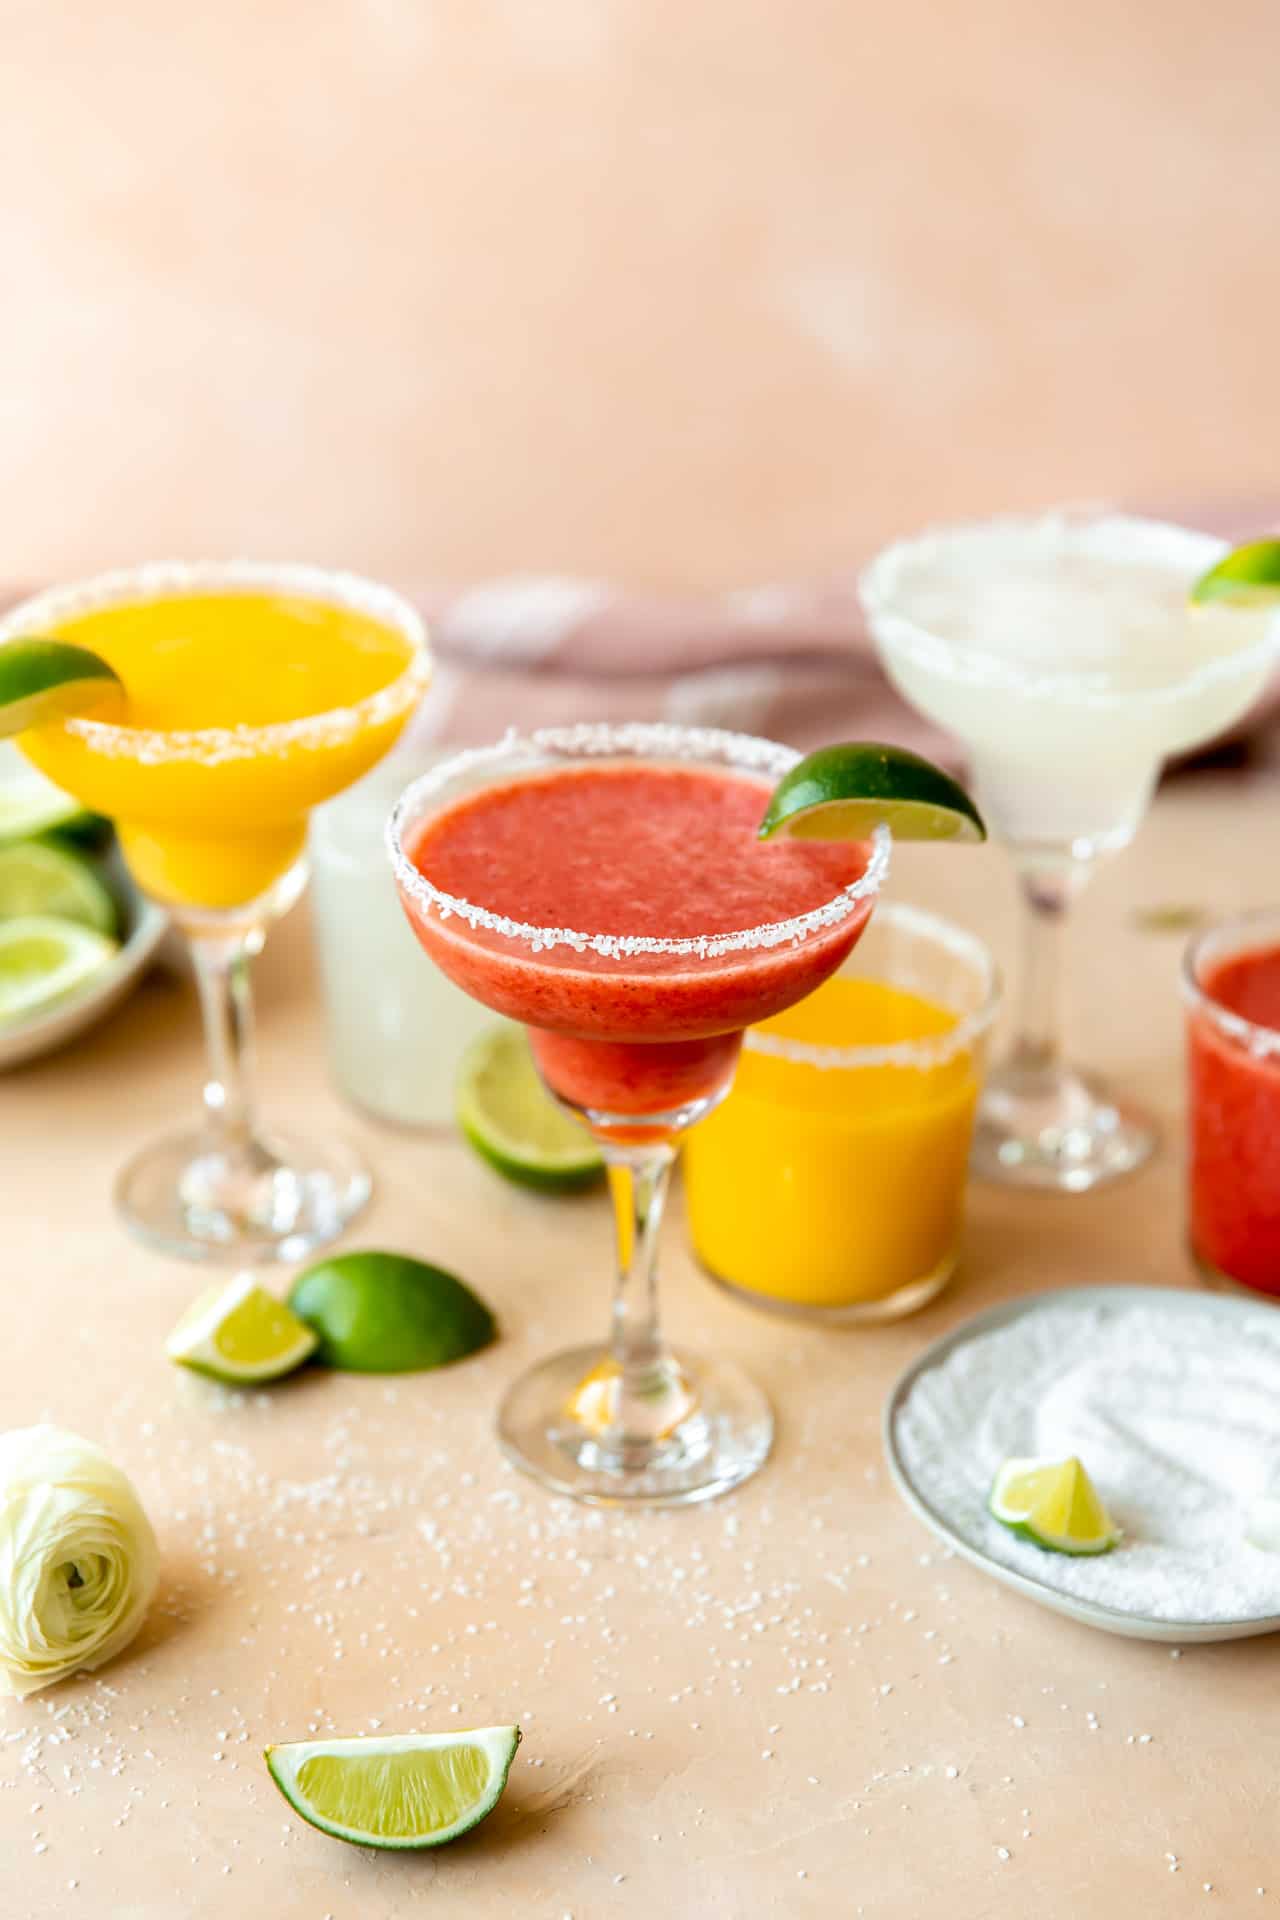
[(656, 740), (1260, 1040), (933, 1050), (894, 628), (180, 579)]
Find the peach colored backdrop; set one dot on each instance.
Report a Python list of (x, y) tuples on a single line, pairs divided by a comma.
[(686, 291)]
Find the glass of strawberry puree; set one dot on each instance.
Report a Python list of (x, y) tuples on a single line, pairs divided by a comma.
[(1231, 982)]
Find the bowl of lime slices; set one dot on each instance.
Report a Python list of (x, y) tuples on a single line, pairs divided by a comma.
[(75, 933)]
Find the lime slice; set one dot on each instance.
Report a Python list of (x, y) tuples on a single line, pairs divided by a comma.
[(43, 680), (405, 1790), (31, 804), (1054, 1503), (846, 792), (43, 960), (238, 1333), (39, 879), (386, 1313), (1248, 576), (512, 1121)]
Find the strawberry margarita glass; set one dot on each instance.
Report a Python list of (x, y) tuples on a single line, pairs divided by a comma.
[(606, 887)]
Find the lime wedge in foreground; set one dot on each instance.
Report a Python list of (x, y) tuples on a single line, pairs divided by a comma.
[(43, 680), (238, 1333), (409, 1790), (43, 961), (1054, 1503), (386, 1313), (846, 792), (31, 804), (512, 1121), (1248, 576), (40, 879)]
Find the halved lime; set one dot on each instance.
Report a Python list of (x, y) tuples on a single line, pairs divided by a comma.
[(1054, 1503), (31, 804), (397, 1791), (36, 878), (44, 680), (846, 792), (387, 1313), (239, 1333), (43, 961), (512, 1121), (1248, 576)]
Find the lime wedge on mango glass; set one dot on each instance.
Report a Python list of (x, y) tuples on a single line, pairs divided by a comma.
[(1053, 1503), (846, 792), (43, 961), (405, 1790), (240, 1334), (511, 1120), (36, 878), (1248, 576), (44, 680), (387, 1313)]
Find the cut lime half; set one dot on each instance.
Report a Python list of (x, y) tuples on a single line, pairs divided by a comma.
[(239, 1333), (408, 1790), (388, 1313), (1248, 576), (1054, 1503), (846, 792), (511, 1120), (44, 680), (47, 880), (44, 961)]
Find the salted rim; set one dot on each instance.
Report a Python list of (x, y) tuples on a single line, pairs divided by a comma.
[(179, 579), (1235, 936), (934, 1051), (881, 591), (659, 741)]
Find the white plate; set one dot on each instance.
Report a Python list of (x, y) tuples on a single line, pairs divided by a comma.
[(1136, 1626), (144, 928)]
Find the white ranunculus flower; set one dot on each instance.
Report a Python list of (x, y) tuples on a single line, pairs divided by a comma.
[(78, 1558)]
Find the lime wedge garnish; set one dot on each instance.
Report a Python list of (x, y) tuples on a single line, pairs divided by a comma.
[(386, 1313), (43, 961), (1248, 576), (512, 1121), (406, 1790), (238, 1333), (39, 879), (31, 804), (44, 680), (1054, 1503), (846, 792)]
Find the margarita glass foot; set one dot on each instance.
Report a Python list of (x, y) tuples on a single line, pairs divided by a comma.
[(1063, 1132)]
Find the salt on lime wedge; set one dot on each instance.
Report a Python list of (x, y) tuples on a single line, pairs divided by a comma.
[(1248, 576), (1054, 1503), (238, 1333), (31, 804), (387, 1313), (846, 792), (511, 1120), (44, 961), (44, 680), (398, 1791), (36, 878)]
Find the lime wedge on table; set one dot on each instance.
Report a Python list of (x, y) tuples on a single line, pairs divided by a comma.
[(405, 1790), (512, 1121), (43, 680), (1248, 576), (238, 1333), (40, 879), (43, 961), (846, 792), (1054, 1503), (386, 1313)]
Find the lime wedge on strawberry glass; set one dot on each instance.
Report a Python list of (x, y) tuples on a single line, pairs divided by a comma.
[(44, 680), (399, 1791), (240, 1334), (44, 961), (36, 878), (1248, 576), (846, 792), (1053, 1503), (511, 1120)]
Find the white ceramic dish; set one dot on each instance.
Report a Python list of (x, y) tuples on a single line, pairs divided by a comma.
[(144, 928), (1134, 1626)]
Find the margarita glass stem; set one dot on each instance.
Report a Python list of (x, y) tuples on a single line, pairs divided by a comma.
[(651, 1393), (1048, 888), (226, 1004)]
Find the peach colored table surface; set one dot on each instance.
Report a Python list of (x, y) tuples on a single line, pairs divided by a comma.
[(789, 1702)]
